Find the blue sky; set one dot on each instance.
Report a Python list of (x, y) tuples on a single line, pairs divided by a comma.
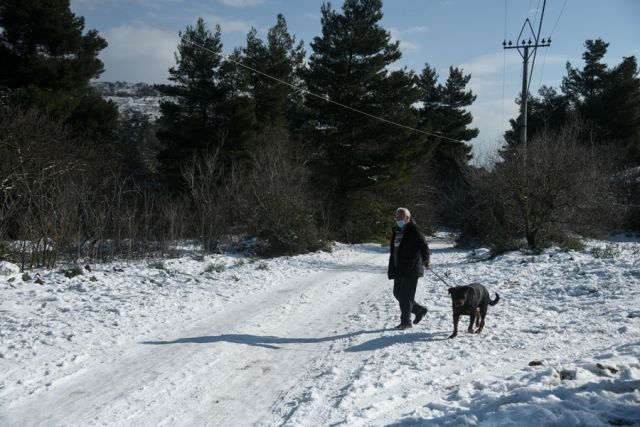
[(143, 35)]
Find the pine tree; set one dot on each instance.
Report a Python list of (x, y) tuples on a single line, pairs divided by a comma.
[(444, 113), (137, 146), (624, 116), (548, 111), (431, 111), (47, 63), (206, 110), (456, 98), (585, 87), (282, 58), (240, 122), (608, 98), (358, 157)]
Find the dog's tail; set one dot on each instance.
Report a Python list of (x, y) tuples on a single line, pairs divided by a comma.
[(495, 301)]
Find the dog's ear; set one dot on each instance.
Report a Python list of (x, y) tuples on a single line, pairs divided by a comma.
[(450, 290)]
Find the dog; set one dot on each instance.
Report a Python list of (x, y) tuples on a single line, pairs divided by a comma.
[(471, 300)]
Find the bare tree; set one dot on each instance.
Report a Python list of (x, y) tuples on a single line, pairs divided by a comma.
[(276, 198), (38, 175), (554, 185), (211, 188)]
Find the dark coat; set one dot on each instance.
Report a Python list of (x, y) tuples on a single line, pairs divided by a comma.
[(413, 251)]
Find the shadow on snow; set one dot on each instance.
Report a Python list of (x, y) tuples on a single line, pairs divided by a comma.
[(273, 342), (401, 338)]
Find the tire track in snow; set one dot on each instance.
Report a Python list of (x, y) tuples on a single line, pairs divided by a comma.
[(418, 376), (306, 329), (231, 368)]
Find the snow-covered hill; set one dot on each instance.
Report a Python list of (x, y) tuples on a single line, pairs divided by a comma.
[(308, 340), (132, 97)]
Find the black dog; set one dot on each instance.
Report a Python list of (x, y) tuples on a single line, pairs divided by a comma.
[(473, 301)]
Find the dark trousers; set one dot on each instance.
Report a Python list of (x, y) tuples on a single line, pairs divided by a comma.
[(404, 289)]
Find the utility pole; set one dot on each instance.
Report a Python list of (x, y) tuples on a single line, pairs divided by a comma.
[(523, 46), (524, 49)]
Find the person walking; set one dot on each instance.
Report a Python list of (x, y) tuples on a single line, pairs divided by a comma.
[(409, 255)]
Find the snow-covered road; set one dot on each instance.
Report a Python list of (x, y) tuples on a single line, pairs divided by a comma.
[(308, 341), (229, 369)]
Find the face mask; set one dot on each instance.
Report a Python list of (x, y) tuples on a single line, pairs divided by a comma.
[(400, 223)]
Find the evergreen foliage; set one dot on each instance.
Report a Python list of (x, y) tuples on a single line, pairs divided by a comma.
[(137, 146), (444, 113), (355, 157), (549, 111), (277, 207), (47, 63), (608, 99), (544, 192), (203, 109), (282, 58)]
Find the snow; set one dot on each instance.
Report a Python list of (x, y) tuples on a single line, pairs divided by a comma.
[(132, 97), (7, 269), (147, 105), (308, 340)]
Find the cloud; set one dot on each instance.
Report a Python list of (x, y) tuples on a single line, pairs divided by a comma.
[(399, 35), (313, 16), (413, 30), (101, 4), (405, 45), (138, 54), (492, 119), (91, 4), (496, 74), (241, 3), (481, 86), (491, 64), (228, 25)]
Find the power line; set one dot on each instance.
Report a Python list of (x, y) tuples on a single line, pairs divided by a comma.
[(535, 17), (558, 20), (504, 67), (535, 50), (544, 61), (323, 97), (551, 34), (523, 49)]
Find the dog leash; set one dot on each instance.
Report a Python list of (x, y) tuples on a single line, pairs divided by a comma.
[(438, 276)]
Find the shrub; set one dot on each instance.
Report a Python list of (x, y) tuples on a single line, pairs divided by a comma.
[(158, 265), (276, 200), (43, 184), (212, 189), (217, 268), (554, 185), (571, 244), (72, 271), (609, 251)]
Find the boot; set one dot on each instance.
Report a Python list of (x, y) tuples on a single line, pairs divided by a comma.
[(403, 326), (419, 315)]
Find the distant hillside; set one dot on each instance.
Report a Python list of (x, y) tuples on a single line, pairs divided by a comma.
[(125, 89), (132, 97)]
